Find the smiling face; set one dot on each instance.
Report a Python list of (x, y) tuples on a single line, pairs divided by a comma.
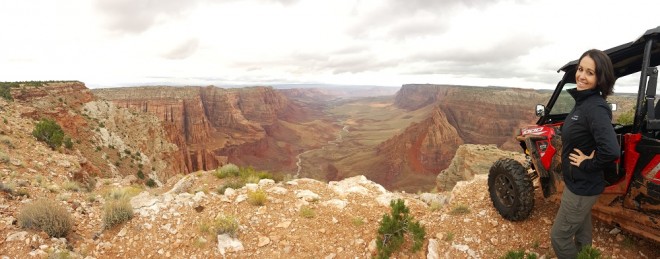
[(585, 77)]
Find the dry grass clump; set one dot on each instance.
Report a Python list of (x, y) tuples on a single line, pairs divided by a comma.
[(47, 216), (226, 171), (117, 208), (116, 212), (460, 209), (225, 225), (307, 212), (257, 198)]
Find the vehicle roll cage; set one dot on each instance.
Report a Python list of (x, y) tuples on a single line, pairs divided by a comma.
[(641, 55)]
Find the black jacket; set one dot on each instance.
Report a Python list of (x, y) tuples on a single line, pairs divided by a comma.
[(588, 127)]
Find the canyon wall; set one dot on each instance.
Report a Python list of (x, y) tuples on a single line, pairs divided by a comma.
[(255, 126), (460, 114)]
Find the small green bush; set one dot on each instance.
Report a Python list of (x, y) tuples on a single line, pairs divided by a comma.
[(140, 174), (226, 171), (234, 184), (71, 186), (68, 144), (225, 225), (257, 198), (151, 183), (358, 221), (116, 212), (519, 254), (460, 209), (394, 227), (307, 212), (50, 132), (5, 92), (588, 252), (4, 158), (46, 215)]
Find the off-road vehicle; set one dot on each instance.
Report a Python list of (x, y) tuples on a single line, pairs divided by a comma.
[(631, 199)]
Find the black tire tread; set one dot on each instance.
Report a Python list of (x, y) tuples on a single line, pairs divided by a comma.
[(524, 203)]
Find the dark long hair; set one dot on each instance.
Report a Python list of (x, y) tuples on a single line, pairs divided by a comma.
[(604, 71)]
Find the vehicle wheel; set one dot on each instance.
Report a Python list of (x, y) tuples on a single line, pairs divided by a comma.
[(511, 189)]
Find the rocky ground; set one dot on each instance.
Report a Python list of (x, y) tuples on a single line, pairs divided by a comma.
[(302, 218)]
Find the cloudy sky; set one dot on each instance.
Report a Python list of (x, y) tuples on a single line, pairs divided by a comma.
[(108, 43)]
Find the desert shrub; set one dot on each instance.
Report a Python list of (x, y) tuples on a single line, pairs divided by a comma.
[(449, 236), (460, 209), (234, 184), (307, 212), (519, 254), (68, 144), (4, 158), (358, 221), (47, 216), (151, 183), (116, 212), (257, 198), (123, 193), (5, 92), (49, 132), (226, 171), (140, 174), (626, 118), (8, 188), (225, 225), (394, 227), (7, 141), (71, 186), (588, 252)]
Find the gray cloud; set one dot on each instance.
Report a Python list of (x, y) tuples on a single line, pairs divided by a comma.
[(503, 51), (183, 50), (136, 16), (397, 19)]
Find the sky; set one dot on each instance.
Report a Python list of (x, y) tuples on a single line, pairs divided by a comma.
[(112, 43)]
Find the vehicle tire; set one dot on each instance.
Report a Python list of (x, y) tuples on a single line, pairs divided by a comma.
[(511, 189)]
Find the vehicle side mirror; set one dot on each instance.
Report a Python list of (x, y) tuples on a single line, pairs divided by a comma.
[(613, 106), (540, 110)]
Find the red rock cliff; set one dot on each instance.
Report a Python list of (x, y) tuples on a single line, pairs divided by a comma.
[(461, 114), (213, 126)]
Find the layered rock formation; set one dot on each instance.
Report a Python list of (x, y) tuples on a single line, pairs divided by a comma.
[(460, 114), (471, 160), (255, 126), (103, 135)]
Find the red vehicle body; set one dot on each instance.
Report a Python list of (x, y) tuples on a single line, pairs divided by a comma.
[(631, 199)]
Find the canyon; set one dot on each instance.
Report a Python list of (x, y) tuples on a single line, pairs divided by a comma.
[(296, 131)]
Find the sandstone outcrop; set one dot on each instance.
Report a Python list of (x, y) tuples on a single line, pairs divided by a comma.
[(471, 160)]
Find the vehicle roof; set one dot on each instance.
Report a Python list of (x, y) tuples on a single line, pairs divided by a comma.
[(627, 58)]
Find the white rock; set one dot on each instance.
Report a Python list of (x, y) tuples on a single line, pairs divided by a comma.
[(284, 224), (615, 231), (462, 248), (122, 232), (339, 204), (263, 241), (240, 198), (307, 195), (229, 192), (432, 249), (266, 182), (18, 236), (278, 190), (330, 256), (228, 244), (251, 186)]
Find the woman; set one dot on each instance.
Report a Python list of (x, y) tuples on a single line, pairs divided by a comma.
[(587, 130)]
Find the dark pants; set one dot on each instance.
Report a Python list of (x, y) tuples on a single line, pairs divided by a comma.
[(572, 227)]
